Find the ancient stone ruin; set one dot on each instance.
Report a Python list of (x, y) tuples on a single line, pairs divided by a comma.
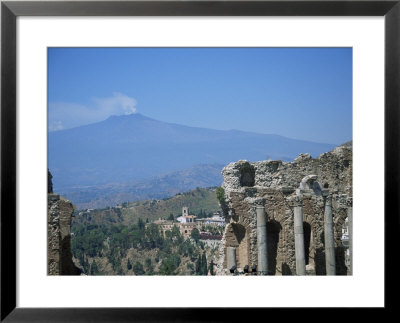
[(59, 217), (286, 218)]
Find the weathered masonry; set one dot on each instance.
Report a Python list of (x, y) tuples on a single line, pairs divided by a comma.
[(59, 216), (286, 218)]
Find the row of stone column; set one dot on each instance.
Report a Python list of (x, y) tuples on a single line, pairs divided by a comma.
[(262, 267), (330, 262)]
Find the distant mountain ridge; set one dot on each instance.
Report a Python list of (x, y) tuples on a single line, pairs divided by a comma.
[(158, 187), (134, 147)]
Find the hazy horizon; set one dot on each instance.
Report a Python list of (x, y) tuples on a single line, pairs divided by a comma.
[(199, 127)]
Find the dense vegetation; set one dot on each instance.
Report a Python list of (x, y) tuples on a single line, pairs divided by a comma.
[(220, 194), (123, 240), (139, 249)]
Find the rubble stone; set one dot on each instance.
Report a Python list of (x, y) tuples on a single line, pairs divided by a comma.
[(274, 184), (59, 217)]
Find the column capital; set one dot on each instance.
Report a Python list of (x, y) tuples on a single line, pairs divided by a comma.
[(258, 202), (298, 200), (328, 200)]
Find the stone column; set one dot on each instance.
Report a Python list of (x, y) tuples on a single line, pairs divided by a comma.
[(299, 237), (262, 266), (330, 261), (350, 221), (230, 257)]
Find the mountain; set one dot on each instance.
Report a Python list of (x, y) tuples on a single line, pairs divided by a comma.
[(157, 187), (134, 147)]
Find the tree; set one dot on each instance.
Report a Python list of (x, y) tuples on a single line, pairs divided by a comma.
[(190, 267), (171, 217), (176, 234), (204, 264), (148, 265), (195, 234), (153, 237), (211, 268), (170, 264), (141, 224), (201, 214), (220, 192), (198, 266), (94, 270), (138, 268)]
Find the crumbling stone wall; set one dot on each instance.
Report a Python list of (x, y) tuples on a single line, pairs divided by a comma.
[(59, 217), (273, 184)]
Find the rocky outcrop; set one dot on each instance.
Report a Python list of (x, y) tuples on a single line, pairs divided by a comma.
[(59, 217), (275, 185)]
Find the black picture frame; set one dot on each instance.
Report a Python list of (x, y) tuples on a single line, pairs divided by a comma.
[(10, 10)]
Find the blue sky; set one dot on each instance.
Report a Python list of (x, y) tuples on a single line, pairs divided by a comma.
[(301, 93)]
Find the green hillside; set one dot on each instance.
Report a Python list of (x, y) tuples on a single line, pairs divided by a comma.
[(201, 202), (116, 241)]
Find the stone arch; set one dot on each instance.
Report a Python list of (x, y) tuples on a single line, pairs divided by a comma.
[(237, 236), (273, 232), (311, 226)]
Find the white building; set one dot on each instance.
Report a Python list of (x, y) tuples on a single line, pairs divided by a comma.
[(216, 219), (185, 217)]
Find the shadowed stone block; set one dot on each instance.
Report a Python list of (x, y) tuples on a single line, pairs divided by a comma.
[(230, 257)]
